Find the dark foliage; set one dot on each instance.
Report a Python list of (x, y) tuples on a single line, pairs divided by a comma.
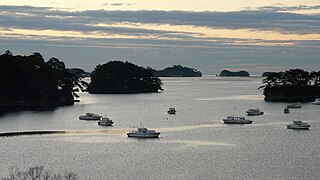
[(292, 85), (265, 74), (122, 77), (30, 82), (38, 173)]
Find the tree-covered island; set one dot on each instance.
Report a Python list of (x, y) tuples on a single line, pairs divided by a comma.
[(28, 82), (292, 85), (117, 77), (176, 71), (230, 73)]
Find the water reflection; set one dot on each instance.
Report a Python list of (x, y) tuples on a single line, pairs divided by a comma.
[(241, 97)]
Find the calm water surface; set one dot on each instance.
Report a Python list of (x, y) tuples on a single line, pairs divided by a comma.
[(194, 143)]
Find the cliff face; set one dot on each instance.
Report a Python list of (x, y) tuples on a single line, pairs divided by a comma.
[(177, 71), (29, 82), (116, 77), (229, 73)]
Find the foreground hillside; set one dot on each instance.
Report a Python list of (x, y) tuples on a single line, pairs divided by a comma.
[(30, 82), (292, 85)]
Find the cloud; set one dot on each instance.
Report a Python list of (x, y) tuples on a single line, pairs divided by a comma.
[(281, 8), (118, 4), (151, 47), (263, 19)]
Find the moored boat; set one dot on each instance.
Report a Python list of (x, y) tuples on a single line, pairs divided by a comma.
[(294, 105), (286, 110), (90, 116), (143, 132), (171, 111), (298, 125), (236, 120), (105, 121), (254, 112), (316, 102)]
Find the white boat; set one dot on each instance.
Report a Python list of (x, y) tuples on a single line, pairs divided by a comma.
[(286, 110), (254, 112), (105, 121), (171, 111), (316, 102), (298, 125), (236, 120), (90, 116), (143, 132), (294, 105)]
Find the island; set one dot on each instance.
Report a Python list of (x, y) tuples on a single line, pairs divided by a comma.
[(117, 77), (291, 86), (28, 82), (176, 71), (78, 72), (265, 74), (230, 73)]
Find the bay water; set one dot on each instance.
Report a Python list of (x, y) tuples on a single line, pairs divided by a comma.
[(194, 143)]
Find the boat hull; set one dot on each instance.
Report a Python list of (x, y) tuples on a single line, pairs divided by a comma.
[(93, 119), (105, 124), (299, 128), (254, 114), (235, 122), (154, 135)]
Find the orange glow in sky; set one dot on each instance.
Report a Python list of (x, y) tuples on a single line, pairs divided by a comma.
[(185, 5)]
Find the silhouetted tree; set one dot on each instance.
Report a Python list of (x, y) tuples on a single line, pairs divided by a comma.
[(8, 52), (294, 84), (30, 82)]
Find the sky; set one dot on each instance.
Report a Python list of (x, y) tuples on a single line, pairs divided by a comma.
[(251, 35)]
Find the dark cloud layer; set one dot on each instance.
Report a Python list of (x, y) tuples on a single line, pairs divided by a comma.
[(170, 47), (265, 18)]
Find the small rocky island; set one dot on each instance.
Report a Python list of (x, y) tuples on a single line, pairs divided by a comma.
[(293, 85), (28, 82), (230, 73), (265, 74), (177, 71), (117, 77)]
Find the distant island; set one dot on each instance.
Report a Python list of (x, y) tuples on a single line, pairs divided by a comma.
[(230, 73), (117, 77), (292, 85), (78, 72), (265, 74), (30, 82), (176, 71)]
